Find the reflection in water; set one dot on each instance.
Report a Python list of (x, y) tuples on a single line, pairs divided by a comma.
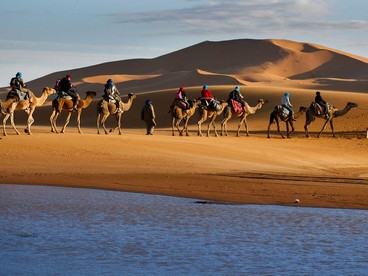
[(64, 231)]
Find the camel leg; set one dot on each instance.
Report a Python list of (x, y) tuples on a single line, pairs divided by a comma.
[(200, 126), (51, 120), (306, 130), (269, 125), (54, 121), (242, 120), (30, 121), (13, 124), (186, 120), (98, 123), (223, 127), (214, 126), (332, 128), (172, 125), (323, 128), (308, 120), (104, 117), (288, 129), (78, 121), (178, 121), (239, 126), (66, 122), (278, 127), (6, 117), (227, 117), (119, 123)]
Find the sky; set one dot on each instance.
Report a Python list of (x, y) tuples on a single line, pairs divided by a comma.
[(40, 37)]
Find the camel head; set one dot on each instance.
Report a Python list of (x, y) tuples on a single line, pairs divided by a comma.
[(91, 94), (351, 105), (132, 96), (262, 101), (49, 91), (302, 109)]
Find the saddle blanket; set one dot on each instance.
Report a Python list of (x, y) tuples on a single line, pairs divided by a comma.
[(237, 107)]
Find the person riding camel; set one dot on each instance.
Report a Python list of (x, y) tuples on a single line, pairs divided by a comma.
[(206, 96), (285, 102), (236, 96), (66, 86), (112, 93), (17, 84), (182, 99), (319, 100)]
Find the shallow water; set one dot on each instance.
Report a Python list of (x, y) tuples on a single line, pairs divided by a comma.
[(66, 231)]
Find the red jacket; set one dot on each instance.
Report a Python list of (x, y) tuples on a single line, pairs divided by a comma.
[(206, 93)]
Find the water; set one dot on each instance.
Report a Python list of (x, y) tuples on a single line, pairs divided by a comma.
[(66, 231)]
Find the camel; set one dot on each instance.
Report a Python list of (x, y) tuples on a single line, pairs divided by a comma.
[(333, 113), (249, 110), (67, 105), (105, 109), (205, 114), (29, 107), (276, 116), (178, 115), (7, 108)]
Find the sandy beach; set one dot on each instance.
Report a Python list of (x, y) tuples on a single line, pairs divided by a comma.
[(320, 172)]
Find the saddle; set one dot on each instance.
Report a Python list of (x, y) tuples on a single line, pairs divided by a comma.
[(283, 112), (319, 109), (17, 93), (236, 106), (211, 104)]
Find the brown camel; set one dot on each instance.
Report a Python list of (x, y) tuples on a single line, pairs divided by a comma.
[(105, 109), (205, 114), (332, 112), (29, 107), (67, 105), (249, 110), (178, 115), (7, 109), (276, 115)]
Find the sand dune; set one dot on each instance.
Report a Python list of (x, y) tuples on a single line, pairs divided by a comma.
[(326, 172)]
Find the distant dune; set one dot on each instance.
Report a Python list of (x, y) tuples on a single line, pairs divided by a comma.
[(272, 63)]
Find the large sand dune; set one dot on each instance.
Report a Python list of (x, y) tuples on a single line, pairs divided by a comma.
[(329, 172)]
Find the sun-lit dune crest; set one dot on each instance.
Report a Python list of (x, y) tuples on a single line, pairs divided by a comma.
[(101, 79)]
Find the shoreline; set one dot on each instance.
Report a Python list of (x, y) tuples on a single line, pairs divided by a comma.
[(256, 189)]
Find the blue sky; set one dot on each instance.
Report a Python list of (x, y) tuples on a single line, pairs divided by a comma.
[(39, 37)]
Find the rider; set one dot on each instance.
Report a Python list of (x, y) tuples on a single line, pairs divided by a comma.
[(112, 93), (182, 97), (236, 96), (66, 86), (206, 96), (17, 83), (319, 100), (285, 102)]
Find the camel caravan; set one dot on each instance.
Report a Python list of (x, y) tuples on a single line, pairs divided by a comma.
[(181, 110)]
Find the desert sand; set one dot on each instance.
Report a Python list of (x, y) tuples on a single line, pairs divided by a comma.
[(320, 172)]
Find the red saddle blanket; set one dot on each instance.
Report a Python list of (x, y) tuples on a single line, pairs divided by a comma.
[(237, 107)]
